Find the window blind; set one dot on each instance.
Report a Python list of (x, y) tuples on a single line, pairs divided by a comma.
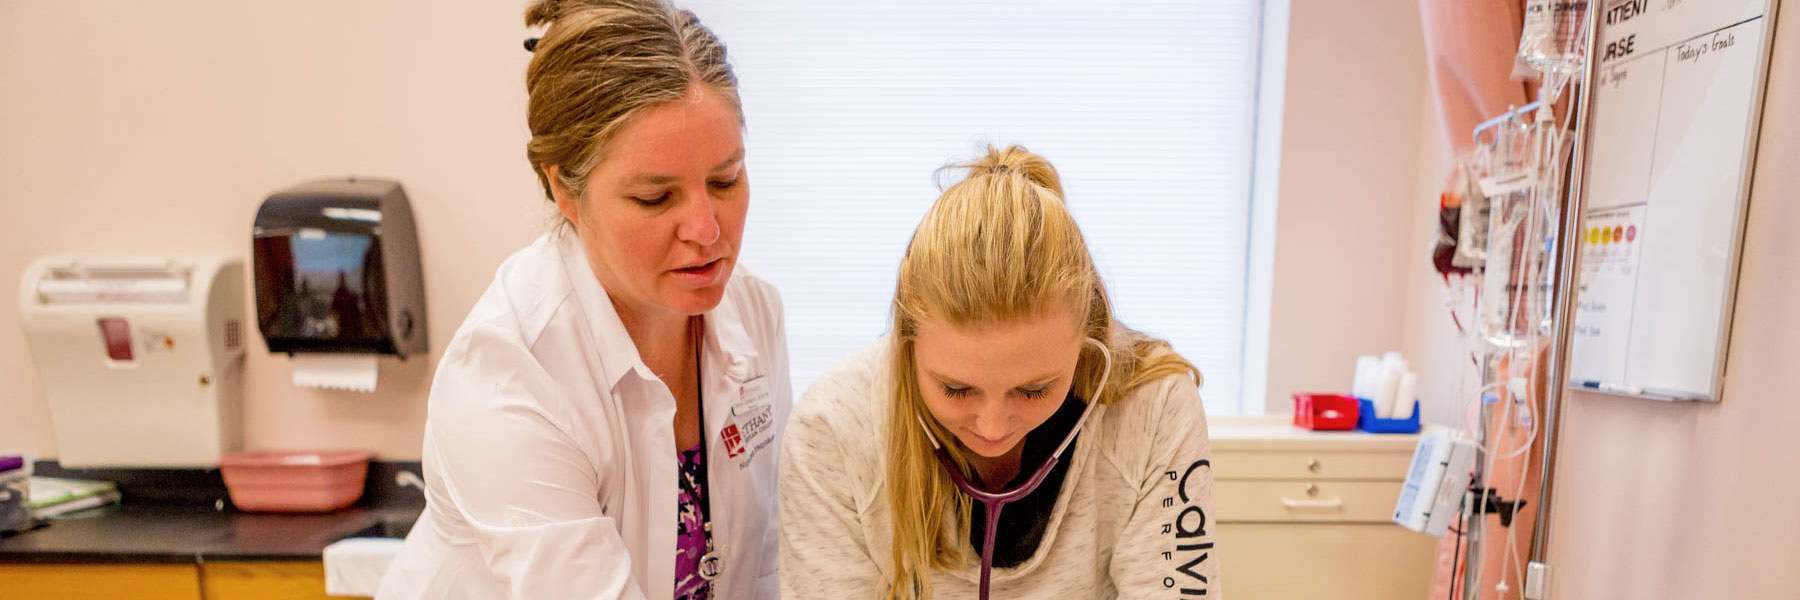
[(1147, 110)]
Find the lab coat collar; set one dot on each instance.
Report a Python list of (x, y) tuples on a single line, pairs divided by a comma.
[(618, 354), (725, 337)]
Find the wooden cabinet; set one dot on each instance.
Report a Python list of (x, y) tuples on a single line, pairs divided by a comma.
[(263, 580), (1309, 515), (100, 582), (247, 580), (1324, 561)]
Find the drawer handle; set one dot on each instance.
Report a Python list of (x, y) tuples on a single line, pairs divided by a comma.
[(1298, 504), (1312, 464)]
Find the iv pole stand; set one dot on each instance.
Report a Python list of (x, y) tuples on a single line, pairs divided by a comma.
[(1536, 584), (1567, 265)]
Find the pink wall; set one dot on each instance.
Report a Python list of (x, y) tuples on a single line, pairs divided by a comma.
[(1344, 242), (161, 127), (1440, 354), (1659, 500)]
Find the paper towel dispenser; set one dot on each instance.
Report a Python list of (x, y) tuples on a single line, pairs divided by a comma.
[(139, 356), (337, 270)]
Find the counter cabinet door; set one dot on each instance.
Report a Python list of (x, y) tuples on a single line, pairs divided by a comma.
[(100, 582), (259, 580)]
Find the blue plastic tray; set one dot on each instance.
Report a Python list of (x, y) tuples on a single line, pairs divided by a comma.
[(1367, 421)]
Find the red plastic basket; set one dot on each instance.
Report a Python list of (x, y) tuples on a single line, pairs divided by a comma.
[(1327, 412)]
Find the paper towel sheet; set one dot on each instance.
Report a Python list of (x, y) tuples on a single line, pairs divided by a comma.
[(353, 567), (352, 372)]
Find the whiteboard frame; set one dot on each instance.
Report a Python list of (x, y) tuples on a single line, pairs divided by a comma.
[(1728, 306)]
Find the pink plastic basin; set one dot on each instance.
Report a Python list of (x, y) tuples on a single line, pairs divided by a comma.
[(295, 480)]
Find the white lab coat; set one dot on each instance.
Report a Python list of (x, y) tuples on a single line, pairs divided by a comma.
[(549, 458)]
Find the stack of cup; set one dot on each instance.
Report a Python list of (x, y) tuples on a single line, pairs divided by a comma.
[(1387, 383)]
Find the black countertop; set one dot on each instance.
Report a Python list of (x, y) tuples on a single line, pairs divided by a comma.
[(173, 516), (161, 533)]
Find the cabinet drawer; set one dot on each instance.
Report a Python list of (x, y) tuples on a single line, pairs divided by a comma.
[(1311, 465), (1270, 561), (1311, 501)]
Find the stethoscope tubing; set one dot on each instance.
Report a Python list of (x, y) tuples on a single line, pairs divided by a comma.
[(993, 502)]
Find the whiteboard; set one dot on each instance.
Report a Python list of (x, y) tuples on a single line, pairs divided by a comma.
[(1676, 101)]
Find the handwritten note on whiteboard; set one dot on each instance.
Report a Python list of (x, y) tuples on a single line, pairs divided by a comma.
[(1672, 127)]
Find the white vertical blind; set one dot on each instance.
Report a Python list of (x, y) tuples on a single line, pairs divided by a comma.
[(1146, 108)]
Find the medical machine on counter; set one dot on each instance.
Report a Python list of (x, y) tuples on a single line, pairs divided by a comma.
[(138, 355)]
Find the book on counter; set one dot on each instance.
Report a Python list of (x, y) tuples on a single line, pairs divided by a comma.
[(52, 496)]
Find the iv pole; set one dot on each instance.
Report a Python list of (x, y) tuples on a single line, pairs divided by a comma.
[(1563, 295), (1537, 573)]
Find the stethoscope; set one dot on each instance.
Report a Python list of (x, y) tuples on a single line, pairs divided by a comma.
[(994, 501)]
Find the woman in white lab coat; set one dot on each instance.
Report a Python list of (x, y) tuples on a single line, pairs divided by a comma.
[(604, 423), (1009, 433)]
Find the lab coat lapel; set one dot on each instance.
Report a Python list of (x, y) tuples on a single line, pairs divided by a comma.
[(732, 373), (647, 411)]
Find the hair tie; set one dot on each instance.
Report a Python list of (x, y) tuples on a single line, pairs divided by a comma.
[(531, 44)]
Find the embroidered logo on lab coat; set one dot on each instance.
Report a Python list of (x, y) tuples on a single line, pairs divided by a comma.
[(734, 441)]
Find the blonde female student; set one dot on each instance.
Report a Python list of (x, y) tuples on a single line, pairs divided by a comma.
[(1009, 438), (604, 423)]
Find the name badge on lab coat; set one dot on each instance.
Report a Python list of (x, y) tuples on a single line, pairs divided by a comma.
[(751, 426)]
